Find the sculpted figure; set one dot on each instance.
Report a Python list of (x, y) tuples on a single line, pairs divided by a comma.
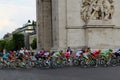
[(108, 9), (85, 10), (97, 10)]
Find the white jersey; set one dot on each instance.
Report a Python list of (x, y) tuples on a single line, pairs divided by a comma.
[(78, 53), (26, 51), (21, 51), (47, 54)]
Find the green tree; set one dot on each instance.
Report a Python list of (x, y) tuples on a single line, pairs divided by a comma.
[(18, 41), (34, 44), (2, 44), (9, 46)]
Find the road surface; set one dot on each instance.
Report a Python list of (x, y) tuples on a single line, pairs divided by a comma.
[(70, 73)]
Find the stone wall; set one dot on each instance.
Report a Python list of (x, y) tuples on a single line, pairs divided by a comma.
[(76, 38), (95, 32), (78, 23), (103, 38)]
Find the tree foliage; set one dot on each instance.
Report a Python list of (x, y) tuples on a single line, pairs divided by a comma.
[(34, 44), (18, 41), (9, 46), (2, 44), (13, 44)]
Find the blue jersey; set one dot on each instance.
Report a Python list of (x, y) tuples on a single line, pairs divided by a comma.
[(6, 55), (118, 52)]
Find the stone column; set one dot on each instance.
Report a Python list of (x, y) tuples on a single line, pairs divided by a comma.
[(55, 28), (62, 25), (44, 24), (59, 23)]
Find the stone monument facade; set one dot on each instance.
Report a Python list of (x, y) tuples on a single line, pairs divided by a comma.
[(78, 23)]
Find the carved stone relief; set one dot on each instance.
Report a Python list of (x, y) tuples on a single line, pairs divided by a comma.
[(97, 10)]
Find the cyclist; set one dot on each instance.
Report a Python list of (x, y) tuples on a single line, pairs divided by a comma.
[(107, 55), (20, 55), (69, 50), (67, 55), (95, 56), (27, 54), (117, 53), (37, 55), (5, 57), (14, 55), (96, 53), (79, 53), (87, 55), (22, 51), (42, 54), (47, 54), (57, 56)]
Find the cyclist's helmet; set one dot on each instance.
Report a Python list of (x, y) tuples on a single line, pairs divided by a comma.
[(110, 50), (61, 51)]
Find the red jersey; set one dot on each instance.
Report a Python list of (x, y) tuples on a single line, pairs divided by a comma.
[(96, 53), (43, 52), (67, 54)]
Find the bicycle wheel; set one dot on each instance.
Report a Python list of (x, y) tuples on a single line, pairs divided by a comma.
[(28, 64), (12, 65), (1, 65), (76, 62), (103, 62), (83, 63), (53, 64), (113, 61)]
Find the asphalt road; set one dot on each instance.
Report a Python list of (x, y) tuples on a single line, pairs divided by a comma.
[(71, 73)]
